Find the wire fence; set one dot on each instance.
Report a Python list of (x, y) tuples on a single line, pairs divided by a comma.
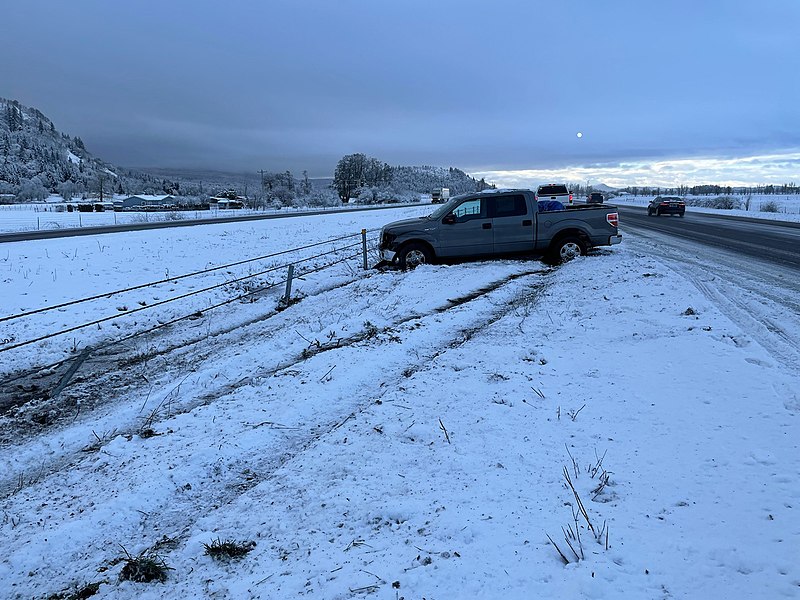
[(367, 245), (172, 279)]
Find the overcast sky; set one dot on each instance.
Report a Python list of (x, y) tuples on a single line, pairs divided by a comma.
[(495, 87)]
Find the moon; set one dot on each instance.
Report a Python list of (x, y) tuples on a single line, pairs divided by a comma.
[(580, 134)]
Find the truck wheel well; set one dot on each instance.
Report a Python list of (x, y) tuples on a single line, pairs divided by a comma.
[(578, 233), (417, 241)]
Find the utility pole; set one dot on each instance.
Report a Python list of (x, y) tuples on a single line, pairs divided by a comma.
[(263, 190)]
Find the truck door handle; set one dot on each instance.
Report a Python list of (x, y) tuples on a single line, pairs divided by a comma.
[(527, 223), (487, 225)]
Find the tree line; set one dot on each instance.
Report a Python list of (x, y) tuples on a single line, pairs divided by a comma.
[(369, 180), (714, 190)]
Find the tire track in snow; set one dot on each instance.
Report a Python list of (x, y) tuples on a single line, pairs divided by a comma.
[(179, 512), (751, 293), (95, 374), (96, 385)]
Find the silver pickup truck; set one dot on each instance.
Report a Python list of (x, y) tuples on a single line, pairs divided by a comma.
[(499, 222)]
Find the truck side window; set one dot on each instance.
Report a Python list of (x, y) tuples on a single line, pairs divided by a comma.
[(470, 209), (509, 206)]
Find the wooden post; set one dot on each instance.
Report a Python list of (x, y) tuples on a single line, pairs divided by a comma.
[(288, 293), (364, 246)]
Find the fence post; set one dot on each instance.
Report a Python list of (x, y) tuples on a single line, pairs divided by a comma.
[(288, 293), (364, 246)]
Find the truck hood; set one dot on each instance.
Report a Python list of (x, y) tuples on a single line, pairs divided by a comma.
[(406, 223)]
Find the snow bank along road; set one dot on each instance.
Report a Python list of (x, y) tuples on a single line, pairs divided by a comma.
[(407, 434), (749, 267)]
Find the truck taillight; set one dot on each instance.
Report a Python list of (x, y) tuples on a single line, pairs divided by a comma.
[(613, 219), (570, 198)]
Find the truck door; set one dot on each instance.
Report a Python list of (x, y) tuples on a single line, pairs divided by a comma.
[(467, 230), (512, 223)]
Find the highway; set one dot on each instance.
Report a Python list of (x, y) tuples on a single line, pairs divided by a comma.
[(22, 236), (747, 267), (777, 242)]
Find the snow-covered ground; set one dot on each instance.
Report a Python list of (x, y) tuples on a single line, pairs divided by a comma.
[(405, 435)]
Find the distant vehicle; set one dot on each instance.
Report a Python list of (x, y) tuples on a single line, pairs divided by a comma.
[(595, 198), (554, 191), (666, 205), (496, 223), (440, 195)]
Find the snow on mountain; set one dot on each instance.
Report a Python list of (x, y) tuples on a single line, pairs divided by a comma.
[(37, 160), (602, 187)]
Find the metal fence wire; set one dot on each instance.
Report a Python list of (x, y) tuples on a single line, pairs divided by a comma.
[(365, 243)]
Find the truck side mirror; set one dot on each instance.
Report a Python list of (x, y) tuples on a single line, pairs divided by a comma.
[(449, 219)]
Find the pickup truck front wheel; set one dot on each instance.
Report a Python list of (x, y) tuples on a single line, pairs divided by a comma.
[(413, 255), (566, 249)]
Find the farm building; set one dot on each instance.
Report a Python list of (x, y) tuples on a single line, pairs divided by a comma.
[(143, 200)]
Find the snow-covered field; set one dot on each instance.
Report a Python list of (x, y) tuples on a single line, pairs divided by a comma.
[(401, 435), (36, 217)]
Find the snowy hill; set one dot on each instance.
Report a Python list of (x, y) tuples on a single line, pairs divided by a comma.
[(38, 160)]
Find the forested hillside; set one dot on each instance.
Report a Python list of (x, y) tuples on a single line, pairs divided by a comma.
[(368, 180), (37, 160)]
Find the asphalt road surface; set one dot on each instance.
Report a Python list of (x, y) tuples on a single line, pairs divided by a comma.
[(777, 242), (73, 231)]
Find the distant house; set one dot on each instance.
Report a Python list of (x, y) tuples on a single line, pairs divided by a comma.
[(143, 200), (225, 203), (227, 200)]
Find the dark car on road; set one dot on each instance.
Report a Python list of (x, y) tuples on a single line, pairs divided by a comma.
[(595, 198), (666, 205)]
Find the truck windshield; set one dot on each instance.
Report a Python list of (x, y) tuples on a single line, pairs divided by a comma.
[(441, 211)]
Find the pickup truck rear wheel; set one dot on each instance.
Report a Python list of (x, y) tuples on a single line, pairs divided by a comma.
[(566, 249), (413, 255)]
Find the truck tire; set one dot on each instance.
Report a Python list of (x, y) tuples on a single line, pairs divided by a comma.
[(566, 249), (414, 254)]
